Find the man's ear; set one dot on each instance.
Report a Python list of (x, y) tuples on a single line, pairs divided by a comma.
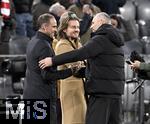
[(65, 30), (44, 26)]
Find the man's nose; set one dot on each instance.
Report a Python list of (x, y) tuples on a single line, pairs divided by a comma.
[(76, 28), (55, 29)]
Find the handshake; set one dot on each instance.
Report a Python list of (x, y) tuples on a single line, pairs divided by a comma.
[(78, 71)]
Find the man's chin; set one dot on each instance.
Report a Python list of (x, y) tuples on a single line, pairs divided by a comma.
[(52, 36), (74, 38)]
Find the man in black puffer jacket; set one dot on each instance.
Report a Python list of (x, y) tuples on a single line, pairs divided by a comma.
[(104, 73)]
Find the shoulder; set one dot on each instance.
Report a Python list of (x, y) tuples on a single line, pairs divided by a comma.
[(62, 42), (96, 9), (98, 37), (39, 44), (72, 7), (99, 40), (63, 46)]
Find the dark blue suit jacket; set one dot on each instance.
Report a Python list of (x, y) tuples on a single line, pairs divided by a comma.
[(41, 84)]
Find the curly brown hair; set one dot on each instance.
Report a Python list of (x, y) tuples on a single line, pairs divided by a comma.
[(63, 22)]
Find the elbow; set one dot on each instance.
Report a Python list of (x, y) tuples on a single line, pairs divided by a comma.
[(44, 76), (47, 77)]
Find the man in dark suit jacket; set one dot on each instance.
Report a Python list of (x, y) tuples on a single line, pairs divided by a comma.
[(41, 84)]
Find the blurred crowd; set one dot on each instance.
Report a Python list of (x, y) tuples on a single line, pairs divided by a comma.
[(18, 18)]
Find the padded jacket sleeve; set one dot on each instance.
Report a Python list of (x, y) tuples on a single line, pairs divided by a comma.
[(89, 50), (51, 73)]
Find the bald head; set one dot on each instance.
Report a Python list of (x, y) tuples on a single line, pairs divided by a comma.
[(103, 16), (57, 9), (100, 19)]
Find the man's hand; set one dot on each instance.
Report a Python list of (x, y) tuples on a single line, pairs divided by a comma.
[(87, 9), (136, 65), (45, 62)]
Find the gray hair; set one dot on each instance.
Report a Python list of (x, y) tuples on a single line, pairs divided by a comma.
[(105, 16), (56, 9)]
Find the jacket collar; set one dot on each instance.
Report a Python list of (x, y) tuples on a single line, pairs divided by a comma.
[(44, 37), (111, 33), (101, 30)]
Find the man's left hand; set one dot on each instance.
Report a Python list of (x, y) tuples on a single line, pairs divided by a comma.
[(45, 62), (135, 65)]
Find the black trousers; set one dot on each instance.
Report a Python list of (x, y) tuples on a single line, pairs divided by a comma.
[(53, 104), (103, 110)]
